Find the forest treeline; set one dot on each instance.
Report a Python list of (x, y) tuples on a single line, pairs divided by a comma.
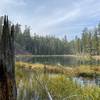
[(88, 43)]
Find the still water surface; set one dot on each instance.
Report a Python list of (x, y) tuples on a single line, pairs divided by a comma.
[(64, 60)]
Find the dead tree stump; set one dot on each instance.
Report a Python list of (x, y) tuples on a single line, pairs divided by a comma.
[(8, 89)]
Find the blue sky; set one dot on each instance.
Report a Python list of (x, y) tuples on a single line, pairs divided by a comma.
[(53, 17)]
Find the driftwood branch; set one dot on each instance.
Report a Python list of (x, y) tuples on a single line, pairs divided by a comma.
[(43, 85)]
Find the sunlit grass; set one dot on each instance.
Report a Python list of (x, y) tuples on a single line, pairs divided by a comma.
[(87, 70)]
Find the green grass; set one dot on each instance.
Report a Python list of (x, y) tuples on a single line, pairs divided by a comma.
[(31, 80)]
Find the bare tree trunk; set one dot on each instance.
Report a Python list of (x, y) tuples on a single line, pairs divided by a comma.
[(8, 89)]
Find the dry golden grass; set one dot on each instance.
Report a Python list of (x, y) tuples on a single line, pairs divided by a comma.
[(75, 71), (47, 68)]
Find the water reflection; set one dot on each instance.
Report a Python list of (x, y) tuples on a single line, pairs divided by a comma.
[(65, 60), (84, 81)]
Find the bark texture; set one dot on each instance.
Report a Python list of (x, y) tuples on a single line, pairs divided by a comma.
[(8, 89)]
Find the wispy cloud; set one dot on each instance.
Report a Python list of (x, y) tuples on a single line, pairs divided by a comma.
[(68, 16), (56, 19)]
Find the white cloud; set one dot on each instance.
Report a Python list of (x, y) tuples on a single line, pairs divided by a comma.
[(55, 19), (10, 6), (13, 2), (68, 16)]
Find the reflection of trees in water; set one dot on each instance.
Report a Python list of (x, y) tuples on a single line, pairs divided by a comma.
[(84, 81), (62, 60), (55, 60)]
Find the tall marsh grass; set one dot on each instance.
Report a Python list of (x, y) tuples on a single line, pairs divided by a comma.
[(32, 84)]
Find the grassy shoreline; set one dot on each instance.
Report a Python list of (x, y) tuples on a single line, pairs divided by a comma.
[(83, 70)]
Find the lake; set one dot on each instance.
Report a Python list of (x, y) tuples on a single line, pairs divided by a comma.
[(87, 81), (64, 60)]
